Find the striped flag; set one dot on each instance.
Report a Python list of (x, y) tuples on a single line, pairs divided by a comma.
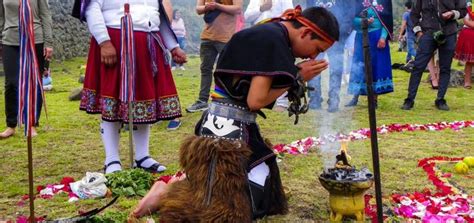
[(29, 74), (127, 54)]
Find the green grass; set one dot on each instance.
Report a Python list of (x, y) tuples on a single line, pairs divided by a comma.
[(69, 144)]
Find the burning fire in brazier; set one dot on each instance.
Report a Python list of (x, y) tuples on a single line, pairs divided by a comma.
[(346, 186)]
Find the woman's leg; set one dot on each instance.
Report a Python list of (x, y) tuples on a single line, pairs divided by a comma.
[(141, 138), (11, 58), (110, 132), (467, 75), (434, 73)]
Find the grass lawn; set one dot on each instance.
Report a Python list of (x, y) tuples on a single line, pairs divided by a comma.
[(69, 144)]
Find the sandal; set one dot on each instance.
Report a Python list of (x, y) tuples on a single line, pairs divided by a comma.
[(468, 87), (110, 164), (155, 168)]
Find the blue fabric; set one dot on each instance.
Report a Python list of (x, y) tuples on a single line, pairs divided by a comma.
[(409, 30), (381, 66), (182, 45), (376, 25)]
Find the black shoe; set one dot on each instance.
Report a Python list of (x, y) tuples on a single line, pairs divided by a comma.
[(441, 105), (155, 168), (408, 104), (110, 164)]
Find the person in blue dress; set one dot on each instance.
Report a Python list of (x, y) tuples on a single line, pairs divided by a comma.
[(379, 14)]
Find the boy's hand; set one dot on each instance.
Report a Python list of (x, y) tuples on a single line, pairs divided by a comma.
[(179, 56), (311, 68)]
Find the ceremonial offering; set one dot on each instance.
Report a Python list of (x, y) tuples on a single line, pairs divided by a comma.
[(346, 186)]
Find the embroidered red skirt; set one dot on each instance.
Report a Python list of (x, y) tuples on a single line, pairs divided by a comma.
[(156, 97), (465, 46)]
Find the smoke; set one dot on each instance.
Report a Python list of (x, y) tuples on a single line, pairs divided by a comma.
[(330, 124)]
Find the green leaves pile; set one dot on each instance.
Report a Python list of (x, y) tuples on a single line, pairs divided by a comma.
[(130, 182)]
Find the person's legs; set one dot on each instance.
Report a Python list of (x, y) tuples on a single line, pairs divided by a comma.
[(434, 73), (41, 60), (209, 52), (411, 49), (110, 132), (314, 95), (182, 45), (424, 53), (336, 58), (446, 53), (10, 66), (149, 203), (467, 75), (141, 138)]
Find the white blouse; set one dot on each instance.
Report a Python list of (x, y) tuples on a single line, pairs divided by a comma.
[(101, 14), (253, 15)]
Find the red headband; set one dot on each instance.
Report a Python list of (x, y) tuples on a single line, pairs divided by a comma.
[(295, 14)]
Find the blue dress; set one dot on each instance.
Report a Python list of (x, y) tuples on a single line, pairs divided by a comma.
[(380, 58)]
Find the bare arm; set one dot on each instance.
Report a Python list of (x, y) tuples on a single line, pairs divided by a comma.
[(468, 22), (261, 94), (402, 28), (200, 8), (168, 8), (233, 9)]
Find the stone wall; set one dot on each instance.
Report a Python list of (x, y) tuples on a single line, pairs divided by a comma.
[(70, 37)]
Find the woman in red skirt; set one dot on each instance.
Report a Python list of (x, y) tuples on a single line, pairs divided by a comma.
[(155, 98), (465, 46)]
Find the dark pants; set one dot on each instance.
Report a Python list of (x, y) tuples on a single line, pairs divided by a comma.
[(11, 61), (426, 47), (208, 53)]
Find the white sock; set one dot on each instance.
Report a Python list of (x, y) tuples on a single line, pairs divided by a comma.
[(259, 174), (141, 138), (110, 132)]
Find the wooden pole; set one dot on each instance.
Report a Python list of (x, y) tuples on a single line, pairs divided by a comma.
[(372, 117), (30, 177)]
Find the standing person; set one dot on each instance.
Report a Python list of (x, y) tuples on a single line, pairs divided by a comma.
[(435, 27), (220, 17), (155, 92), (379, 14), (259, 10), (177, 24), (465, 47), (344, 12), (10, 41), (231, 171), (407, 28)]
